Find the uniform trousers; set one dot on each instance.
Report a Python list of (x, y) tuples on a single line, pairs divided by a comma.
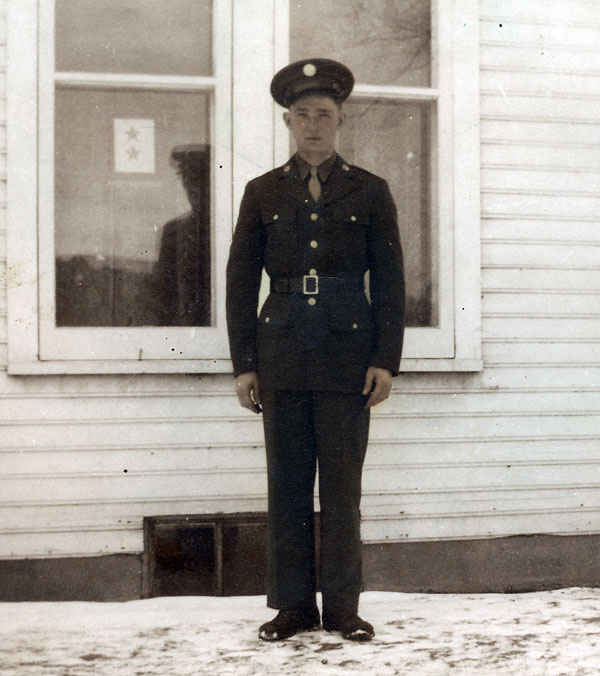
[(303, 429)]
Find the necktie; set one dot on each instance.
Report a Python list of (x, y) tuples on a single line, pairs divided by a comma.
[(314, 186)]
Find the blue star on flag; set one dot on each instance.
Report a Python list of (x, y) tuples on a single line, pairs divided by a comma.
[(133, 134), (133, 153)]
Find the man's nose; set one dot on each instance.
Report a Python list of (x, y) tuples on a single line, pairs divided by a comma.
[(313, 121)]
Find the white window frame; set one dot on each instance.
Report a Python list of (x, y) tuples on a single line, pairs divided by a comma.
[(249, 140)]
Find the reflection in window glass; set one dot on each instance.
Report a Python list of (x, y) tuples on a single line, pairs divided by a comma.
[(392, 139), (132, 208), (382, 41), (134, 36)]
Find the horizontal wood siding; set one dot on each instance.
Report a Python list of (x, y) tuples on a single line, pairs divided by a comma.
[(512, 450), (540, 174)]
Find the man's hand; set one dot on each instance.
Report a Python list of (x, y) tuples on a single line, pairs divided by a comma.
[(382, 379), (248, 391)]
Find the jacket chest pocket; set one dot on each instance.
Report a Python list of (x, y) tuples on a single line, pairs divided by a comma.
[(350, 223), (280, 234)]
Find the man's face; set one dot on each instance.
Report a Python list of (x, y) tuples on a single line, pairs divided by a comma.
[(314, 121), (195, 190)]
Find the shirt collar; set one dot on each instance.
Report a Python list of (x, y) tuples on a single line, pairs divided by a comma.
[(324, 169)]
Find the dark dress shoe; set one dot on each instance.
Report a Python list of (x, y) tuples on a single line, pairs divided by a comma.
[(290, 622), (352, 628)]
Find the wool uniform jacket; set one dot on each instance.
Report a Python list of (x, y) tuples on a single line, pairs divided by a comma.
[(181, 276), (305, 340)]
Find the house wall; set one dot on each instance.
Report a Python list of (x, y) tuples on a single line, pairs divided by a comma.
[(512, 450)]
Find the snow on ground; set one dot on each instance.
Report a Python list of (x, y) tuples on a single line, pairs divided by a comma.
[(539, 634)]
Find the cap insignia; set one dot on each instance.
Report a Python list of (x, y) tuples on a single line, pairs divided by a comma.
[(309, 69)]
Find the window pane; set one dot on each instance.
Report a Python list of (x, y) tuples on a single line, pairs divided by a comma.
[(134, 36), (392, 139), (132, 214), (381, 41)]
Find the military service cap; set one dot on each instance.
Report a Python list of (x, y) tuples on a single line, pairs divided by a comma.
[(311, 75), (190, 158)]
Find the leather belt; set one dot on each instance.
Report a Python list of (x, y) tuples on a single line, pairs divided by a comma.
[(311, 285)]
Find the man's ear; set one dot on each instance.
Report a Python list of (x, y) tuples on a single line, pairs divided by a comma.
[(286, 119), (341, 118)]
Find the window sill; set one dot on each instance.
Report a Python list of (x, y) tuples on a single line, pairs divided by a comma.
[(201, 366)]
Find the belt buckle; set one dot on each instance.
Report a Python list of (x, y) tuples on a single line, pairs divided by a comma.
[(314, 287)]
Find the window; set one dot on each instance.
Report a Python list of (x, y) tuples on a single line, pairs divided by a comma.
[(133, 183), (125, 120)]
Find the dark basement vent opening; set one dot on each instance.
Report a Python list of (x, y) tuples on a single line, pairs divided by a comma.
[(205, 555)]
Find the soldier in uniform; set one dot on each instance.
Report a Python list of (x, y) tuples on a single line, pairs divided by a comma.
[(321, 353), (181, 276)]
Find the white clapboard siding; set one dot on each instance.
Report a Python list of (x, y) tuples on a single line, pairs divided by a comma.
[(560, 35), (390, 479), (528, 230), (568, 351), (574, 303), (577, 141), (570, 156), (536, 55), (511, 277), (542, 13), (549, 204), (513, 449), (544, 179), (540, 88)]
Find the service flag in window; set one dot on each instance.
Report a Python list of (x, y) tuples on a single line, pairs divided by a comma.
[(134, 146)]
